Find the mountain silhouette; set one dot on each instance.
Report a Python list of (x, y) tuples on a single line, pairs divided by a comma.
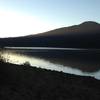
[(84, 35)]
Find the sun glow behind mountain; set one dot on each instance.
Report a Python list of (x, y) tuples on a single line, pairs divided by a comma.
[(13, 24), (24, 17)]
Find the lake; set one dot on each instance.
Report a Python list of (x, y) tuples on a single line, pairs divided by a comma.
[(84, 62)]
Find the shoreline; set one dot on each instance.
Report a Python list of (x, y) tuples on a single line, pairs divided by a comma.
[(23, 82)]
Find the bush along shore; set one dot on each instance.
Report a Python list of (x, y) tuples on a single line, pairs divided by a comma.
[(23, 82)]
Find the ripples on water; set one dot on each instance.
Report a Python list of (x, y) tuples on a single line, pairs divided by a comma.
[(79, 62)]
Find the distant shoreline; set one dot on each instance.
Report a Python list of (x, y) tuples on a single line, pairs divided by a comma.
[(50, 48)]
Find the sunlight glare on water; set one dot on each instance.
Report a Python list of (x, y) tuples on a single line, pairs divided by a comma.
[(17, 58)]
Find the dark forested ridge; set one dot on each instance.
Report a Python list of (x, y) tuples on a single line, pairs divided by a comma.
[(85, 35)]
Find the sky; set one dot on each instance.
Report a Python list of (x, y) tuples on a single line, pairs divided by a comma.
[(24, 17)]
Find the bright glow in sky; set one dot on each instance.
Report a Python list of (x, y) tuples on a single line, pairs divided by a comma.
[(12, 24), (23, 17)]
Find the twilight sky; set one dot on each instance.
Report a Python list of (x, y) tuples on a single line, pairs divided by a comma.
[(23, 17)]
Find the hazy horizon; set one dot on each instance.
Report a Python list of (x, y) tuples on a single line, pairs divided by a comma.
[(25, 17)]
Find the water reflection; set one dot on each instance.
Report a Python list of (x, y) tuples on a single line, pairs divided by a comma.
[(53, 60)]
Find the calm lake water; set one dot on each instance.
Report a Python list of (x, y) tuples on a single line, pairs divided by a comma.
[(83, 62)]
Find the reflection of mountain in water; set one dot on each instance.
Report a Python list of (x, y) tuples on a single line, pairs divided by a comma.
[(74, 62), (85, 60), (88, 61)]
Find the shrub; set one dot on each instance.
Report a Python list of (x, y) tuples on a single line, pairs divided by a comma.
[(26, 63)]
